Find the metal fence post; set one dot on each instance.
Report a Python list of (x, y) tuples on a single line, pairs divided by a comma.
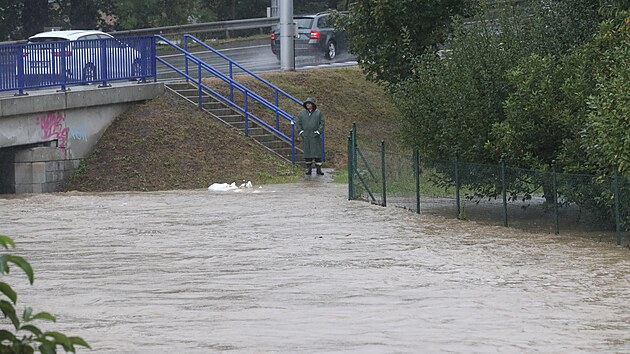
[(246, 114), (457, 186), (199, 89), (63, 61), (504, 192), (103, 62), (277, 114), (555, 195), (416, 172), (350, 168), (354, 144), (154, 61), (231, 84), (186, 57), (617, 204), (383, 172), (354, 156), (20, 71)]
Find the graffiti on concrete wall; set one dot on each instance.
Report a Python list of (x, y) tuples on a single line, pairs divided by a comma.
[(79, 131), (53, 126)]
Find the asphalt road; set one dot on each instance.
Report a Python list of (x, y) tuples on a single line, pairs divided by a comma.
[(256, 57)]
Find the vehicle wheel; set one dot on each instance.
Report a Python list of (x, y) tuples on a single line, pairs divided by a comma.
[(89, 72), (278, 55), (331, 51)]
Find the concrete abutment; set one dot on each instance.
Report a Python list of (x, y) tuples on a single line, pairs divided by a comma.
[(45, 135)]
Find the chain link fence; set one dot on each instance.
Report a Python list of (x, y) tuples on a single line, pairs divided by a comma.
[(542, 201)]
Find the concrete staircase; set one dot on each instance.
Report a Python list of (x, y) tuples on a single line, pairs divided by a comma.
[(236, 120)]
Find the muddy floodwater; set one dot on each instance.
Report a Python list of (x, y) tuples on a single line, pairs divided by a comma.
[(300, 269)]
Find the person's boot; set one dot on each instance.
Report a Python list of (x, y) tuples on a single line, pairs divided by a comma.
[(319, 170), (309, 169)]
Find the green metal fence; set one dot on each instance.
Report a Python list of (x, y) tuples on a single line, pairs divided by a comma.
[(494, 194)]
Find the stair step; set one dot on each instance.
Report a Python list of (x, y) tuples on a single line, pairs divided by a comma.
[(234, 119), (176, 86), (188, 91), (221, 112), (275, 145), (253, 129), (195, 98), (263, 137), (209, 105), (229, 115)]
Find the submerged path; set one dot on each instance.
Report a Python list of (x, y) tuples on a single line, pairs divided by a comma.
[(298, 268)]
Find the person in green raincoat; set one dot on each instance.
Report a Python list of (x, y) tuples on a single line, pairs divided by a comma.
[(310, 126)]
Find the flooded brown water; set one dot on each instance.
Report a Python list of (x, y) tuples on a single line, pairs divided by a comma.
[(298, 268)]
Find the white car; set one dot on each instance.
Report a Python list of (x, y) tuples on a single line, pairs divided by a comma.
[(84, 56)]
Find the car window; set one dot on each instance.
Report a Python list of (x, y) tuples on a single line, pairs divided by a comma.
[(303, 22), (46, 39), (89, 36), (323, 22)]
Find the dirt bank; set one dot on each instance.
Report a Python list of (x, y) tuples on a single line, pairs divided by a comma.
[(166, 143)]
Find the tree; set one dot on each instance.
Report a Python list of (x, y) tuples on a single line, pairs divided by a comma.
[(155, 13), (76, 14), (389, 35), (606, 138), (238, 9), (10, 19), (34, 16), (518, 85), (84, 14)]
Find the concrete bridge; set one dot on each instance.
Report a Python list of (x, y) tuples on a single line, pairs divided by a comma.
[(45, 135)]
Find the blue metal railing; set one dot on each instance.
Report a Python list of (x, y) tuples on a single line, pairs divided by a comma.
[(59, 64), (277, 92), (248, 94)]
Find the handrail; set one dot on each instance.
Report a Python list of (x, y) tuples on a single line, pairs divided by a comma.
[(229, 80), (247, 92), (234, 105), (269, 84), (232, 62)]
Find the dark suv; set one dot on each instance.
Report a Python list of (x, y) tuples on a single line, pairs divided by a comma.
[(316, 35)]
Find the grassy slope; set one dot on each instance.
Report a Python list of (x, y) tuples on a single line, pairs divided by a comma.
[(166, 143)]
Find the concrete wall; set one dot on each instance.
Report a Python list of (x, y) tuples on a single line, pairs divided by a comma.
[(44, 136)]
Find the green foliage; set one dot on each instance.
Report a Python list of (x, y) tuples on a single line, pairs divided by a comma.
[(389, 35), (607, 134), (505, 86), (10, 19), (25, 337), (154, 13), (534, 85)]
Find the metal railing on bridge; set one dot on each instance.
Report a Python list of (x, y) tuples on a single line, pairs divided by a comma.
[(63, 63)]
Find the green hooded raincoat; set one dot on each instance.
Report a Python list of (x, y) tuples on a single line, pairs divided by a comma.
[(310, 125)]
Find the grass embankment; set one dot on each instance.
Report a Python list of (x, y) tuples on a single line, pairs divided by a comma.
[(165, 143)]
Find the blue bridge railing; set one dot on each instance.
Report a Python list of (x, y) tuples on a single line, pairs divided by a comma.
[(63, 63)]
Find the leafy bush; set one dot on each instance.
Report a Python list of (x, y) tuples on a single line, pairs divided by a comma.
[(25, 337)]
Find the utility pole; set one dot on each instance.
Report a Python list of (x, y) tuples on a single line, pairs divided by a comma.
[(287, 34)]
